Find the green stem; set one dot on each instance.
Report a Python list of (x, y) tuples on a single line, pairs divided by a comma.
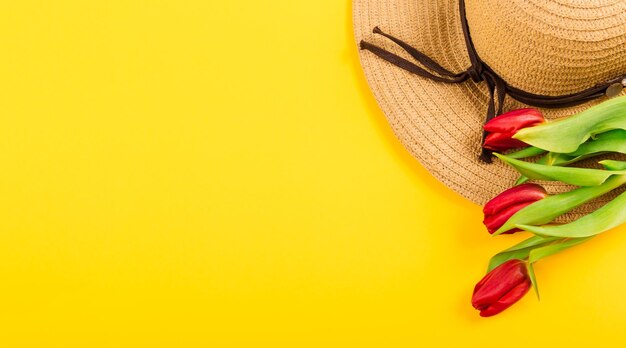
[(551, 207)]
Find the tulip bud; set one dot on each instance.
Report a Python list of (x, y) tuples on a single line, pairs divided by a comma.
[(500, 208), (501, 129), (501, 288)]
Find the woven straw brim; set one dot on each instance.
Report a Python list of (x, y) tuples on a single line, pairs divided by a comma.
[(440, 124)]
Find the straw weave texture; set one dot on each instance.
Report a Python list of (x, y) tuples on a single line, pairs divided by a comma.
[(549, 47)]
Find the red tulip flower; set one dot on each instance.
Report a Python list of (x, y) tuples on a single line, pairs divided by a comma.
[(501, 129), (501, 288), (499, 209)]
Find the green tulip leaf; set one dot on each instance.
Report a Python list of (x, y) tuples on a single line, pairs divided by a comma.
[(605, 218), (566, 135), (614, 134), (553, 248), (551, 207), (612, 141), (519, 251), (522, 179), (553, 159), (533, 278), (600, 146), (573, 176), (548, 157), (613, 165), (530, 151)]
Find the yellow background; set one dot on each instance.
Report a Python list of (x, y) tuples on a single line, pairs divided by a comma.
[(217, 174)]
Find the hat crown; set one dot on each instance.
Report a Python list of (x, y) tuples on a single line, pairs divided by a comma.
[(550, 47)]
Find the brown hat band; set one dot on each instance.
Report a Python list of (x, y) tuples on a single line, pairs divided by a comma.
[(480, 71)]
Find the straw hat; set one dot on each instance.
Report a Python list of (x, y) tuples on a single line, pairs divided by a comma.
[(546, 47)]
